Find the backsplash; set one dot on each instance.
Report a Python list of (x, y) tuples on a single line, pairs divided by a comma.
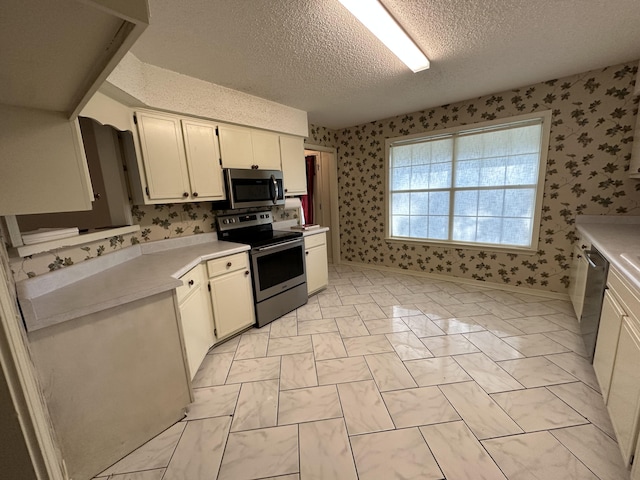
[(594, 114), (157, 222)]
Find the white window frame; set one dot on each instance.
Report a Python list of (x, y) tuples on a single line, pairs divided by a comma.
[(544, 116)]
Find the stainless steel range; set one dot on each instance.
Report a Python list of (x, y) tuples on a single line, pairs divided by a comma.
[(277, 262)]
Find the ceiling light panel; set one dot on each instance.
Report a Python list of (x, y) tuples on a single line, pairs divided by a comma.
[(379, 21)]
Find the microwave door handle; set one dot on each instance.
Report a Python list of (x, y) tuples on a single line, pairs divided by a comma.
[(276, 192)]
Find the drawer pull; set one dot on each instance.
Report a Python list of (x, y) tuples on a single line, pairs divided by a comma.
[(247, 272), (307, 252), (191, 283), (229, 264)]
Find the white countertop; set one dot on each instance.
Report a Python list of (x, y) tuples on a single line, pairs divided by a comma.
[(102, 284), (618, 239)]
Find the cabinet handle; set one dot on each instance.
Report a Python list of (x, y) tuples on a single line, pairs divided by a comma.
[(246, 272), (185, 194), (583, 246), (228, 264), (639, 170), (190, 283), (195, 194), (579, 256)]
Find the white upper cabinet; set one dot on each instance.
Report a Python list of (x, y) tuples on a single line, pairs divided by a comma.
[(247, 148), (266, 150), (203, 160), (163, 155), (235, 147), (180, 160), (44, 168), (294, 168)]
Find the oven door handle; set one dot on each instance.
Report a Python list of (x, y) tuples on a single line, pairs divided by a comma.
[(276, 192), (278, 245)]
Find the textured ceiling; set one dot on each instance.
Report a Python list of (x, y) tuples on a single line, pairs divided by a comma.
[(313, 55)]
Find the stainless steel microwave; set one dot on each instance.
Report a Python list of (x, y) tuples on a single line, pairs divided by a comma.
[(254, 188)]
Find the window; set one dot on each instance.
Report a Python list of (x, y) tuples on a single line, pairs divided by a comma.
[(472, 185)]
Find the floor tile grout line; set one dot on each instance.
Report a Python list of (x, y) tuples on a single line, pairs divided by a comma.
[(571, 451)]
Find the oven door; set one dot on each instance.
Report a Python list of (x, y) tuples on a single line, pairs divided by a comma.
[(277, 268), (254, 188)]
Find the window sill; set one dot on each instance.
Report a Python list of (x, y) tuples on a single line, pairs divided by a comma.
[(83, 238), (462, 246)]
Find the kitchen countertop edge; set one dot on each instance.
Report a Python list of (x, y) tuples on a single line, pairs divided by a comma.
[(615, 239), (149, 272)]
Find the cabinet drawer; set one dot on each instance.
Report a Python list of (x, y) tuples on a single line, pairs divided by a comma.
[(627, 295), (228, 264), (190, 281), (311, 241)]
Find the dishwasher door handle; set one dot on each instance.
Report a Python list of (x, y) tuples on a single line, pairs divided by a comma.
[(592, 264)]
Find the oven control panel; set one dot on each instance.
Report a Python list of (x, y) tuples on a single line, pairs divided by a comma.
[(241, 220)]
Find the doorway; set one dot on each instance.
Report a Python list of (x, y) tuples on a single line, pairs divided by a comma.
[(322, 202)]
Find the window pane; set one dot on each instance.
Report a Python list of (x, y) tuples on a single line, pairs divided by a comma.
[(519, 202), (440, 175), (489, 230), (490, 203), (464, 229), (400, 225), (522, 170), (419, 227), (400, 156), (516, 231), (439, 203), (420, 203), (400, 203), (492, 172), (467, 174), (466, 203), (420, 177), (439, 227), (401, 178)]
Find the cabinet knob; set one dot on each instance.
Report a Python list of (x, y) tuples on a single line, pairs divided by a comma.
[(190, 283), (286, 190), (185, 194), (246, 272), (229, 264), (306, 253), (255, 167), (639, 170), (195, 194), (579, 256), (583, 246)]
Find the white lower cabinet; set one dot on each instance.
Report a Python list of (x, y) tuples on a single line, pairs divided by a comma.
[(315, 249), (616, 361), (196, 317), (624, 393), (607, 343), (578, 278), (231, 294)]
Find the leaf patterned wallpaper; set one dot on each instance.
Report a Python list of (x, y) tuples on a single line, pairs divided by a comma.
[(594, 114), (157, 222)]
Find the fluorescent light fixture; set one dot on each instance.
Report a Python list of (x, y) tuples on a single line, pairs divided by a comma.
[(376, 18)]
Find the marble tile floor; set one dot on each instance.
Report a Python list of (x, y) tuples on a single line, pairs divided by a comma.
[(394, 376)]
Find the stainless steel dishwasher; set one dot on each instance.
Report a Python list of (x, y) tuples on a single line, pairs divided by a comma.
[(593, 295)]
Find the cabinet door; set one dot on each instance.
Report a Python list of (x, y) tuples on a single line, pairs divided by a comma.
[(203, 160), (316, 262), (578, 279), (163, 156), (197, 327), (235, 147), (232, 301), (606, 345), (266, 150), (294, 168), (624, 394)]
